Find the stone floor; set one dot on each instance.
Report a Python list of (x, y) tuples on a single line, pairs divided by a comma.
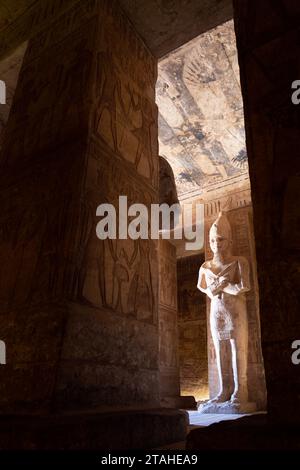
[(106, 430), (256, 432), (200, 420)]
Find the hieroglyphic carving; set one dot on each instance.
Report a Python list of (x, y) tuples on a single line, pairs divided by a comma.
[(168, 281), (129, 126), (168, 341), (43, 101), (56, 171), (125, 114), (143, 133), (108, 92), (35, 20), (141, 68), (116, 274), (241, 198), (168, 327)]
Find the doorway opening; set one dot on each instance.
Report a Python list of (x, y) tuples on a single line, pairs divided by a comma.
[(202, 136)]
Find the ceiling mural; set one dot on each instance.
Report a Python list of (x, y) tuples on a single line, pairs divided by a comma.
[(201, 121)]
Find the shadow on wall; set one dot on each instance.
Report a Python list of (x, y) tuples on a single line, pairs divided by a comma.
[(9, 73), (192, 329)]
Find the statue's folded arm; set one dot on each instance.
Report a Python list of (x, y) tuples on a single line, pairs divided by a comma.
[(244, 279), (202, 284)]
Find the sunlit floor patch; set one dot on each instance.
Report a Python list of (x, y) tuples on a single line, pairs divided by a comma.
[(203, 419)]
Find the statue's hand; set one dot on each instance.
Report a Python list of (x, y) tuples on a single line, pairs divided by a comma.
[(219, 284), (215, 287), (223, 281)]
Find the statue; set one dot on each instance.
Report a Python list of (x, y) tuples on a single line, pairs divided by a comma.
[(225, 279)]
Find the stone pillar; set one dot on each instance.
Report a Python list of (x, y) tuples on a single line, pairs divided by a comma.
[(192, 329), (168, 325), (9, 73), (269, 63), (240, 218), (79, 316)]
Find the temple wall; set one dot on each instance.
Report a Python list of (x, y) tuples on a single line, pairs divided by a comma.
[(168, 324), (192, 329), (9, 73), (268, 54)]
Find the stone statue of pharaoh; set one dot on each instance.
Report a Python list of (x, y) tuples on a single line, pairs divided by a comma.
[(225, 279)]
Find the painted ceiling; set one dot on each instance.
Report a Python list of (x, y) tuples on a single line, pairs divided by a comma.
[(201, 121)]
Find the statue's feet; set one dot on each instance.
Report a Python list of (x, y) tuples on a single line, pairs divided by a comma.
[(238, 397), (220, 398)]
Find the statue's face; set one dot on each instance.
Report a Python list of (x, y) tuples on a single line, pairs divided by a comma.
[(218, 244)]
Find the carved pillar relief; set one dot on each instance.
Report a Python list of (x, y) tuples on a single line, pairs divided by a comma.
[(82, 131), (168, 327)]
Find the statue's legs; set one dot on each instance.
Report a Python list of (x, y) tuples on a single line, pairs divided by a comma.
[(239, 355), (223, 394)]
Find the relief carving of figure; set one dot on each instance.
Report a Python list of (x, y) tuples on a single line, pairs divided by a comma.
[(225, 279), (107, 94), (141, 295)]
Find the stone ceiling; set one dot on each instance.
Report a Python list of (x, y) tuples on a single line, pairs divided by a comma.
[(163, 24), (201, 122), (167, 24)]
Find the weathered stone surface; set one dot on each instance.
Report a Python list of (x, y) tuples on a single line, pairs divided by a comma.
[(166, 25), (163, 25), (248, 433), (268, 52), (82, 130), (169, 381), (192, 330), (134, 429), (9, 73), (182, 402)]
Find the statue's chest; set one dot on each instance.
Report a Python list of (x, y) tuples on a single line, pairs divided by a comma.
[(230, 272)]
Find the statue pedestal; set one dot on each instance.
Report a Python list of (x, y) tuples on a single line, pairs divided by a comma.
[(227, 407)]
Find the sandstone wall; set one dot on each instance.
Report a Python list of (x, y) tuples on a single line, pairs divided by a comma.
[(269, 63), (192, 329), (168, 324)]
